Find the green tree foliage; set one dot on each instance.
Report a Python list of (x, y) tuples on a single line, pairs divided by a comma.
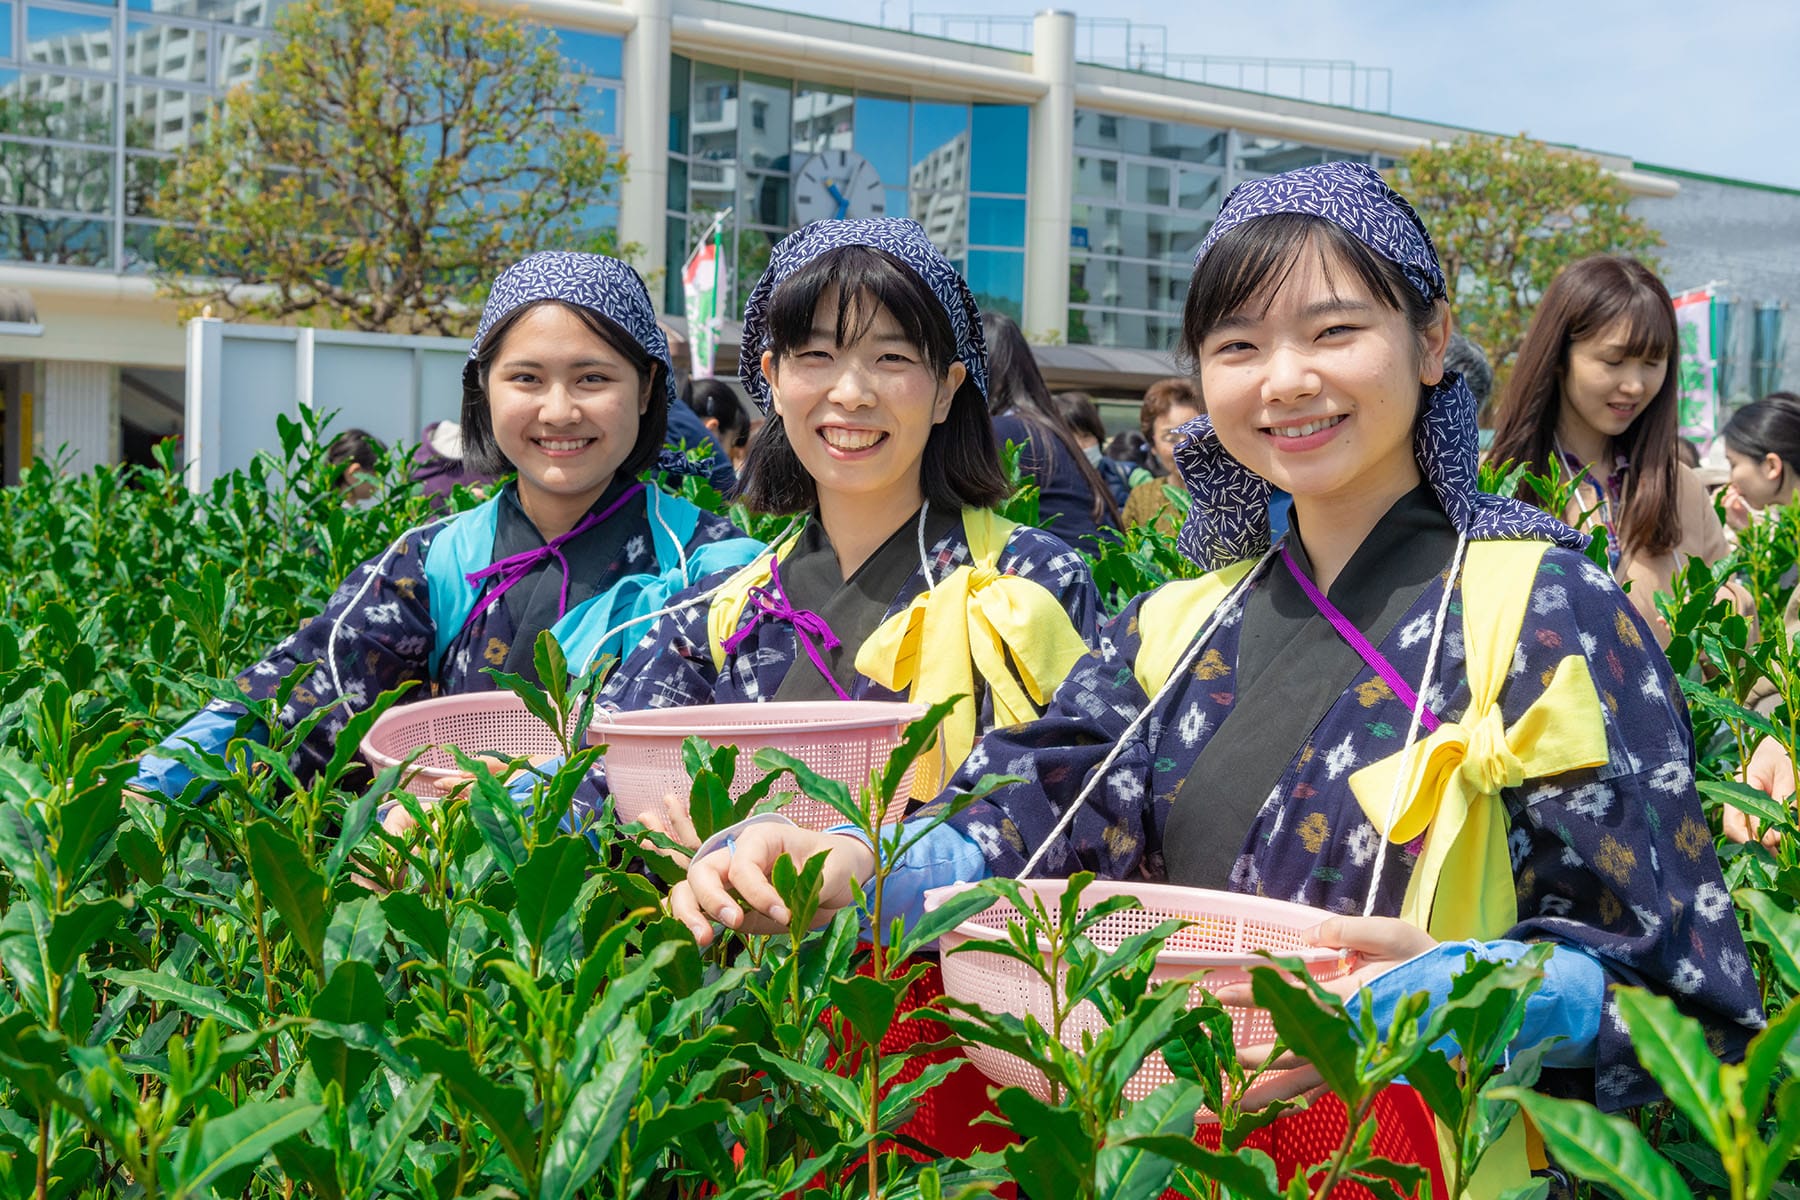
[(387, 161), (1508, 214)]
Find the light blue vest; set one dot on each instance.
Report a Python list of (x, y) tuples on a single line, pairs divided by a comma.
[(609, 623)]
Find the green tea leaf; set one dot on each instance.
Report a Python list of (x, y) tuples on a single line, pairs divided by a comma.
[(868, 1003), (549, 883), (1250, 1174), (422, 926), (951, 912), (188, 997), (245, 1135), (79, 927), (385, 1151), (501, 1107), (356, 932), (1055, 1156), (291, 885), (1598, 1147), (496, 815), (1769, 811), (1767, 1051), (86, 820), (1131, 1170), (591, 1131), (1325, 1039), (1776, 928), (1673, 1049)]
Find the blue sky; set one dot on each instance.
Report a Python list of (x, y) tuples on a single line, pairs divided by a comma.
[(1706, 85)]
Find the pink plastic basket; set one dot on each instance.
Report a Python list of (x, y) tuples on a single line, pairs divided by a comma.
[(1227, 931), (841, 739), (481, 723)]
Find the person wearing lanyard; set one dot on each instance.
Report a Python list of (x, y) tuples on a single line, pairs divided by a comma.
[(1593, 396), (865, 347), (1394, 718), (568, 384)]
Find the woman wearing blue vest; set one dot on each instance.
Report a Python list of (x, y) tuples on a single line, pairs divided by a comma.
[(568, 384), (1425, 710)]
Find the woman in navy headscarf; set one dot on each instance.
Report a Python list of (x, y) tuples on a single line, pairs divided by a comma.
[(1425, 712), (568, 385)]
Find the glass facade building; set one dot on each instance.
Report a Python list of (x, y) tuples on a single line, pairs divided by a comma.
[(96, 98), (1084, 229), (740, 142), (1146, 192)]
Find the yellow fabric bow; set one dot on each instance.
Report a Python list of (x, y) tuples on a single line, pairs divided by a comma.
[(1451, 781), (976, 624)]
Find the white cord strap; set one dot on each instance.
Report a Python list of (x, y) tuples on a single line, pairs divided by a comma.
[(1188, 658), (1418, 714)]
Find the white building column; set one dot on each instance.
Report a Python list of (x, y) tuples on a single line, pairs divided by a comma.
[(1049, 201), (644, 198), (78, 413)]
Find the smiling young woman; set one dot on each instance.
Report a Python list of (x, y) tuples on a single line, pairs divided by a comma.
[(865, 347), (1594, 390), (567, 383), (1352, 719)]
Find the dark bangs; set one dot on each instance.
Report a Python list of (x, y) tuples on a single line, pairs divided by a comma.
[(482, 453), (1247, 267), (1643, 307), (961, 467), (867, 280)]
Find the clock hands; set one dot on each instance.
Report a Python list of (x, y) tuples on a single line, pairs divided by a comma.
[(843, 201)]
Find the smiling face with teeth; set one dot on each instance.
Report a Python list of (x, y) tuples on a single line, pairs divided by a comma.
[(565, 407), (1317, 387), (858, 414)]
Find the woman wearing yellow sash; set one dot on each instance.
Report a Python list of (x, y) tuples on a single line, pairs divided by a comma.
[(1425, 710), (865, 346)]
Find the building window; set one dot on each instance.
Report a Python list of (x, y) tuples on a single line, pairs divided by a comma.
[(960, 170)]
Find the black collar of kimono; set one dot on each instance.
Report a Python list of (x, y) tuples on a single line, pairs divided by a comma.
[(1291, 669), (593, 556), (1401, 549), (855, 607)]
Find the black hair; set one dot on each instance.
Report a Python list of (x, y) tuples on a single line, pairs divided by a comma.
[(714, 399), (961, 467), (1249, 263), (1129, 446), (1769, 426), (481, 452), (1015, 385), (355, 446), (1078, 412), (1467, 359)]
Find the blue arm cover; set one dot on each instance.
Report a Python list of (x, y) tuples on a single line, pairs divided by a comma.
[(1568, 1004), (944, 856), (206, 732)]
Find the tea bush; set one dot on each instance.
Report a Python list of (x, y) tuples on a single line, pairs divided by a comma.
[(261, 993)]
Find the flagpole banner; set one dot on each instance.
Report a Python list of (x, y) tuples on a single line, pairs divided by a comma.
[(700, 290), (1698, 366)]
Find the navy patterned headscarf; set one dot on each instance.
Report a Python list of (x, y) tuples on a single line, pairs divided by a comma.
[(591, 281), (903, 239), (1229, 520)]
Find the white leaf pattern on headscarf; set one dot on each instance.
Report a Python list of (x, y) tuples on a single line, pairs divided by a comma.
[(903, 239), (591, 281), (1229, 520)]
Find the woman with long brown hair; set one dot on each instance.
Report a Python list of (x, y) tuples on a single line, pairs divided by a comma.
[(1593, 394)]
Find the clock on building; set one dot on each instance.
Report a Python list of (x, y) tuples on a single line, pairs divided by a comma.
[(835, 186)]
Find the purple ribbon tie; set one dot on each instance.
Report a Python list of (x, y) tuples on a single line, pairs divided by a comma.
[(1357, 642), (515, 567), (810, 630)]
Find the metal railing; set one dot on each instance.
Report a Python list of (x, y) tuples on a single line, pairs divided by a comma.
[(1139, 46)]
